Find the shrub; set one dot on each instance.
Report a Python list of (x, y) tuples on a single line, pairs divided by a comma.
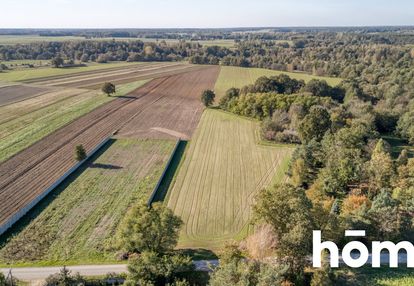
[(80, 153)]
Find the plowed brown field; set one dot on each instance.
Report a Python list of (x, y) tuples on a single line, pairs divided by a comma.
[(162, 108)]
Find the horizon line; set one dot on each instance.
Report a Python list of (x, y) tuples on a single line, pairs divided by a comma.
[(213, 28)]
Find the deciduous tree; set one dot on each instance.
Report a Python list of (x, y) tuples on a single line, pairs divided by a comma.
[(315, 124), (207, 97), (288, 211), (108, 88), (150, 229)]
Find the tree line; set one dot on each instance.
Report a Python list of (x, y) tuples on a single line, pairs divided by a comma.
[(344, 174)]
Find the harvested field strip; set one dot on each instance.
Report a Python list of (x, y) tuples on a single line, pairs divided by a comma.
[(15, 93), (18, 109), (28, 74), (80, 218), (67, 80), (223, 169), (238, 77), (133, 76), (20, 132), (7, 83), (28, 173), (86, 73)]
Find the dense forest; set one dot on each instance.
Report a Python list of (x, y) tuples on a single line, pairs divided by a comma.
[(347, 171)]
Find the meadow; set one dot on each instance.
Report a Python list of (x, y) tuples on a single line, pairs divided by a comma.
[(238, 77), (25, 122), (222, 170), (383, 276), (221, 43), (28, 39), (77, 222)]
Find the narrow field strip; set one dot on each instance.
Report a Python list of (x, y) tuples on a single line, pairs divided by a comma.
[(19, 132), (79, 220), (18, 92), (224, 167), (30, 74), (80, 80), (238, 77)]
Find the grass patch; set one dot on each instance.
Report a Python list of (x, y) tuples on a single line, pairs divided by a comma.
[(224, 167), (376, 277), (77, 223), (125, 88), (397, 145), (238, 77), (221, 43), (207, 43), (21, 132), (28, 39)]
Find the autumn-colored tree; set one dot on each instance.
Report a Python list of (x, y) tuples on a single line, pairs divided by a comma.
[(380, 168), (261, 243), (353, 202)]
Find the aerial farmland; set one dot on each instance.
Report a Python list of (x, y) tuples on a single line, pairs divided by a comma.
[(47, 112), (178, 143)]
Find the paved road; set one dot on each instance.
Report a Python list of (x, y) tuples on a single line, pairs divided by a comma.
[(40, 273)]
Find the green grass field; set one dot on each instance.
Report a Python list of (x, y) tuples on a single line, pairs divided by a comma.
[(384, 276), (238, 77), (24, 123), (32, 73), (78, 221), (221, 43), (397, 145), (28, 39), (223, 168)]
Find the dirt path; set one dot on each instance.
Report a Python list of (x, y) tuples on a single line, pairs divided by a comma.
[(165, 102)]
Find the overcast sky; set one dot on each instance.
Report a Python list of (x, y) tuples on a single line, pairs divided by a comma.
[(202, 14)]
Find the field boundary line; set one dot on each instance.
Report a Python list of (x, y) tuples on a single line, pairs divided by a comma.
[(88, 126), (167, 166), (16, 217)]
